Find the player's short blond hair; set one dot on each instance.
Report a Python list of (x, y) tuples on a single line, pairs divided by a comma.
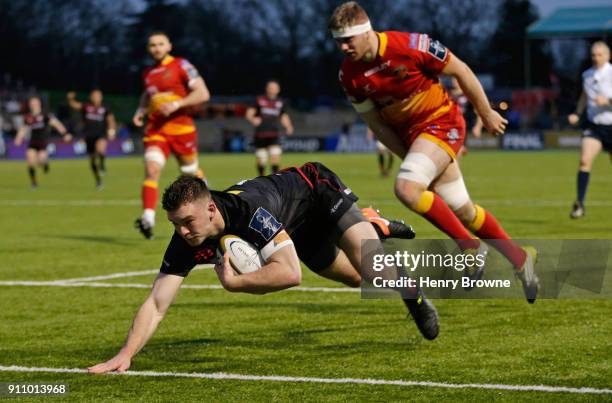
[(346, 15)]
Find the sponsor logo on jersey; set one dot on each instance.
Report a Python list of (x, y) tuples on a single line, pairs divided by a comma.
[(264, 223), (336, 206), (437, 50), (423, 43)]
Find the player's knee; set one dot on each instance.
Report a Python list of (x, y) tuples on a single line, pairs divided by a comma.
[(585, 164), (154, 158), (409, 192), (354, 281), (275, 152), (261, 154)]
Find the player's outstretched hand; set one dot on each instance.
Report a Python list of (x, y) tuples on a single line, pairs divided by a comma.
[(138, 119), (119, 363), (226, 274), (573, 119), (67, 138), (494, 122)]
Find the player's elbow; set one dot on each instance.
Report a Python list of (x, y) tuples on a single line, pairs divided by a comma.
[(293, 277)]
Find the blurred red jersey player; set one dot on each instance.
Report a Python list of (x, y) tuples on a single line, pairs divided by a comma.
[(391, 78), (172, 86)]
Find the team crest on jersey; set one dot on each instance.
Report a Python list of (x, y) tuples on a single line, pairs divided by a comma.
[(453, 135), (437, 50), (401, 72), (264, 223)]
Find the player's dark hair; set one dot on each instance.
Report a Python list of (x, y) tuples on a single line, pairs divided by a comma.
[(185, 189), (347, 14), (158, 32)]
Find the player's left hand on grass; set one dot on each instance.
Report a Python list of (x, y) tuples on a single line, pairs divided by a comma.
[(120, 363), (168, 108), (226, 274), (494, 122)]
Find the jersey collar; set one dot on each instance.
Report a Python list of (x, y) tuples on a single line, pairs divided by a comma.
[(167, 60), (382, 43)]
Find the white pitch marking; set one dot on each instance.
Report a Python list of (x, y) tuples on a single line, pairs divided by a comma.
[(136, 285), (490, 202), (108, 276), (123, 274), (278, 378), (130, 202), (495, 202)]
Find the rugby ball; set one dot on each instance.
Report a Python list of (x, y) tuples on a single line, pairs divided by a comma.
[(243, 256)]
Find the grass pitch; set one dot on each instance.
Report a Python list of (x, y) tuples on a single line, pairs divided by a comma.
[(66, 229)]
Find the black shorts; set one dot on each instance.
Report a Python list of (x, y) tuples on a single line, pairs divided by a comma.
[(603, 133), (90, 142), (38, 144), (265, 142), (316, 241)]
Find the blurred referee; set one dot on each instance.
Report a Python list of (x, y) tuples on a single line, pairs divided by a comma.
[(597, 98)]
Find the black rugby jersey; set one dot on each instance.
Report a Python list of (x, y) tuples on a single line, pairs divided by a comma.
[(94, 120), (270, 111), (258, 209), (39, 126)]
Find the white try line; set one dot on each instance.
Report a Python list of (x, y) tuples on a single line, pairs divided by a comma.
[(504, 202), (386, 202), (131, 202), (366, 381), (122, 274), (136, 285)]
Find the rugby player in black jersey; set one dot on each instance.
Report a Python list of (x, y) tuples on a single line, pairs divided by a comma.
[(39, 124), (304, 213), (98, 125)]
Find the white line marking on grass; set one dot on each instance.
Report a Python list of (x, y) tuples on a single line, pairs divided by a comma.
[(366, 381), (109, 276), (506, 202), (136, 285), (122, 274), (133, 202), (130, 202)]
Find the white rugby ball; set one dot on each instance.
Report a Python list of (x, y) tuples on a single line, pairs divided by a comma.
[(243, 256)]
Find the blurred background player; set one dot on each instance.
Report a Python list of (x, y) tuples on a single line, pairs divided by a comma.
[(172, 86), (383, 153), (268, 116), (98, 123), (391, 78), (596, 96), (39, 124)]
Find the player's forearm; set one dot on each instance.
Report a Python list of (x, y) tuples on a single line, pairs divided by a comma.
[(144, 325), (274, 276), (581, 105), (286, 122), (473, 89), (143, 103), (197, 96)]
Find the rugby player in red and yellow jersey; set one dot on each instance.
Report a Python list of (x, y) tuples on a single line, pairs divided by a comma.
[(391, 78), (172, 86)]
